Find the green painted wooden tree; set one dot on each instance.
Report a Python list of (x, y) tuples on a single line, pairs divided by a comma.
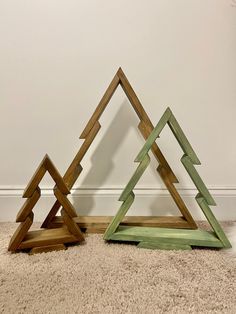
[(166, 238)]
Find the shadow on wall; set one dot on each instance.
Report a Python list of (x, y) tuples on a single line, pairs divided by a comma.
[(102, 167)]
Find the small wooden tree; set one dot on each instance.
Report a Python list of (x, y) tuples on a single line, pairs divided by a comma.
[(51, 239), (166, 238)]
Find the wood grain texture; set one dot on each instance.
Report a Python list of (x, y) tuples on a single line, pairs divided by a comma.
[(119, 216), (99, 224), (65, 203), (135, 178), (197, 180), (48, 248), (212, 220), (161, 245), (72, 226), (20, 233), (45, 237), (28, 206), (182, 236), (177, 198), (45, 165), (182, 140)]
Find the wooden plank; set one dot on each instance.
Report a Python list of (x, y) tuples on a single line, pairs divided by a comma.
[(160, 245), (45, 237), (177, 198), (48, 248), (45, 165), (182, 140), (135, 178), (64, 201), (212, 220), (28, 206), (73, 171), (75, 168), (72, 226), (200, 185), (51, 215), (35, 180), (99, 224), (136, 104), (153, 136), (119, 216), (101, 106), (182, 236), (20, 233), (51, 168)]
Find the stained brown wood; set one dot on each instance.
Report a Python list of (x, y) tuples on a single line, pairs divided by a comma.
[(25, 215), (48, 248), (92, 128), (101, 106), (45, 237), (73, 172), (45, 165), (20, 233), (28, 206), (72, 226), (65, 203), (99, 224)]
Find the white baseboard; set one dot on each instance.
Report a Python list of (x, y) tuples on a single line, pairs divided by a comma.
[(104, 201)]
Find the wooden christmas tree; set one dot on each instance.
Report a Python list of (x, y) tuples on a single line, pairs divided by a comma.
[(51, 239), (99, 224), (167, 238)]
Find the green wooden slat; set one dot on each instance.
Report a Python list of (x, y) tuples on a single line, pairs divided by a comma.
[(212, 220), (182, 140), (119, 216), (153, 135), (163, 246), (135, 177), (182, 236), (186, 161)]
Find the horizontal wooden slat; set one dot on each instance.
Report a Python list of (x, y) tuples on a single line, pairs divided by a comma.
[(160, 245), (47, 237), (182, 236), (98, 224)]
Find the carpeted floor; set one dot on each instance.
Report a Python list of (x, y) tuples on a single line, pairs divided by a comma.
[(115, 278)]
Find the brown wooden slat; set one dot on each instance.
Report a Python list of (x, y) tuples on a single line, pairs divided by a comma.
[(72, 226), (47, 237), (28, 206), (98, 224), (20, 233)]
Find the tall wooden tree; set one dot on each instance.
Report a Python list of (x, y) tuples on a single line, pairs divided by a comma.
[(145, 127)]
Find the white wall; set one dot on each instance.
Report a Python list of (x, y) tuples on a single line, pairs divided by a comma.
[(58, 57)]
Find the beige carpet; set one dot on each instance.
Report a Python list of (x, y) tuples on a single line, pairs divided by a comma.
[(115, 278)]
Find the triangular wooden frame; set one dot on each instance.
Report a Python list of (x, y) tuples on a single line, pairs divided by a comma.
[(166, 238), (25, 239), (145, 126)]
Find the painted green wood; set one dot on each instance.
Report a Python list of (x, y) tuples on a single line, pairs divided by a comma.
[(182, 140), (181, 236), (212, 220), (119, 216), (163, 246), (153, 135), (186, 161), (135, 177)]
